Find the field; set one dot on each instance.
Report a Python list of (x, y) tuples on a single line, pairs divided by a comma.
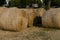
[(32, 33)]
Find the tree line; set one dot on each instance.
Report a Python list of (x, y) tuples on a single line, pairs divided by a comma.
[(26, 3)]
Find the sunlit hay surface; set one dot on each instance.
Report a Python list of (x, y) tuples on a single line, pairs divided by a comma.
[(51, 18), (33, 33), (13, 19), (41, 11)]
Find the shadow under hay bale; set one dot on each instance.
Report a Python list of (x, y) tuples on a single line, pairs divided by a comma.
[(37, 21)]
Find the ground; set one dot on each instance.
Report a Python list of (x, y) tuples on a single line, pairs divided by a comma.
[(34, 33)]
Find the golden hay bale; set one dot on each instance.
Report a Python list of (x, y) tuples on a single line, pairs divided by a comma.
[(51, 18), (2, 9), (32, 13), (38, 19), (41, 11), (13, 19)]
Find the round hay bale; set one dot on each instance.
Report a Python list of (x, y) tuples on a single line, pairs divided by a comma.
[(13, 19), (38, 18), (51, 18), (32, 13), (2, 9), (41, 11)]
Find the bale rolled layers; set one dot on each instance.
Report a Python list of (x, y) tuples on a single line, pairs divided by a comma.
[(41, 11), (31, 14), (51, 18), (13, 19)]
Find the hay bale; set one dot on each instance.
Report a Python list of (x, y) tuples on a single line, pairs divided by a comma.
[(13, 19), (32, 13), (2, 9), (51, 18), (41, 11), (37, 21)]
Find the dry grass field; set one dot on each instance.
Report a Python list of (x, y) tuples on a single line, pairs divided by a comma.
[(32, 33)]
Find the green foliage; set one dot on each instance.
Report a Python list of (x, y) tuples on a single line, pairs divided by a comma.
[(55, 3), (2, 2), (22, 3), (15, 2), (28, 2)]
